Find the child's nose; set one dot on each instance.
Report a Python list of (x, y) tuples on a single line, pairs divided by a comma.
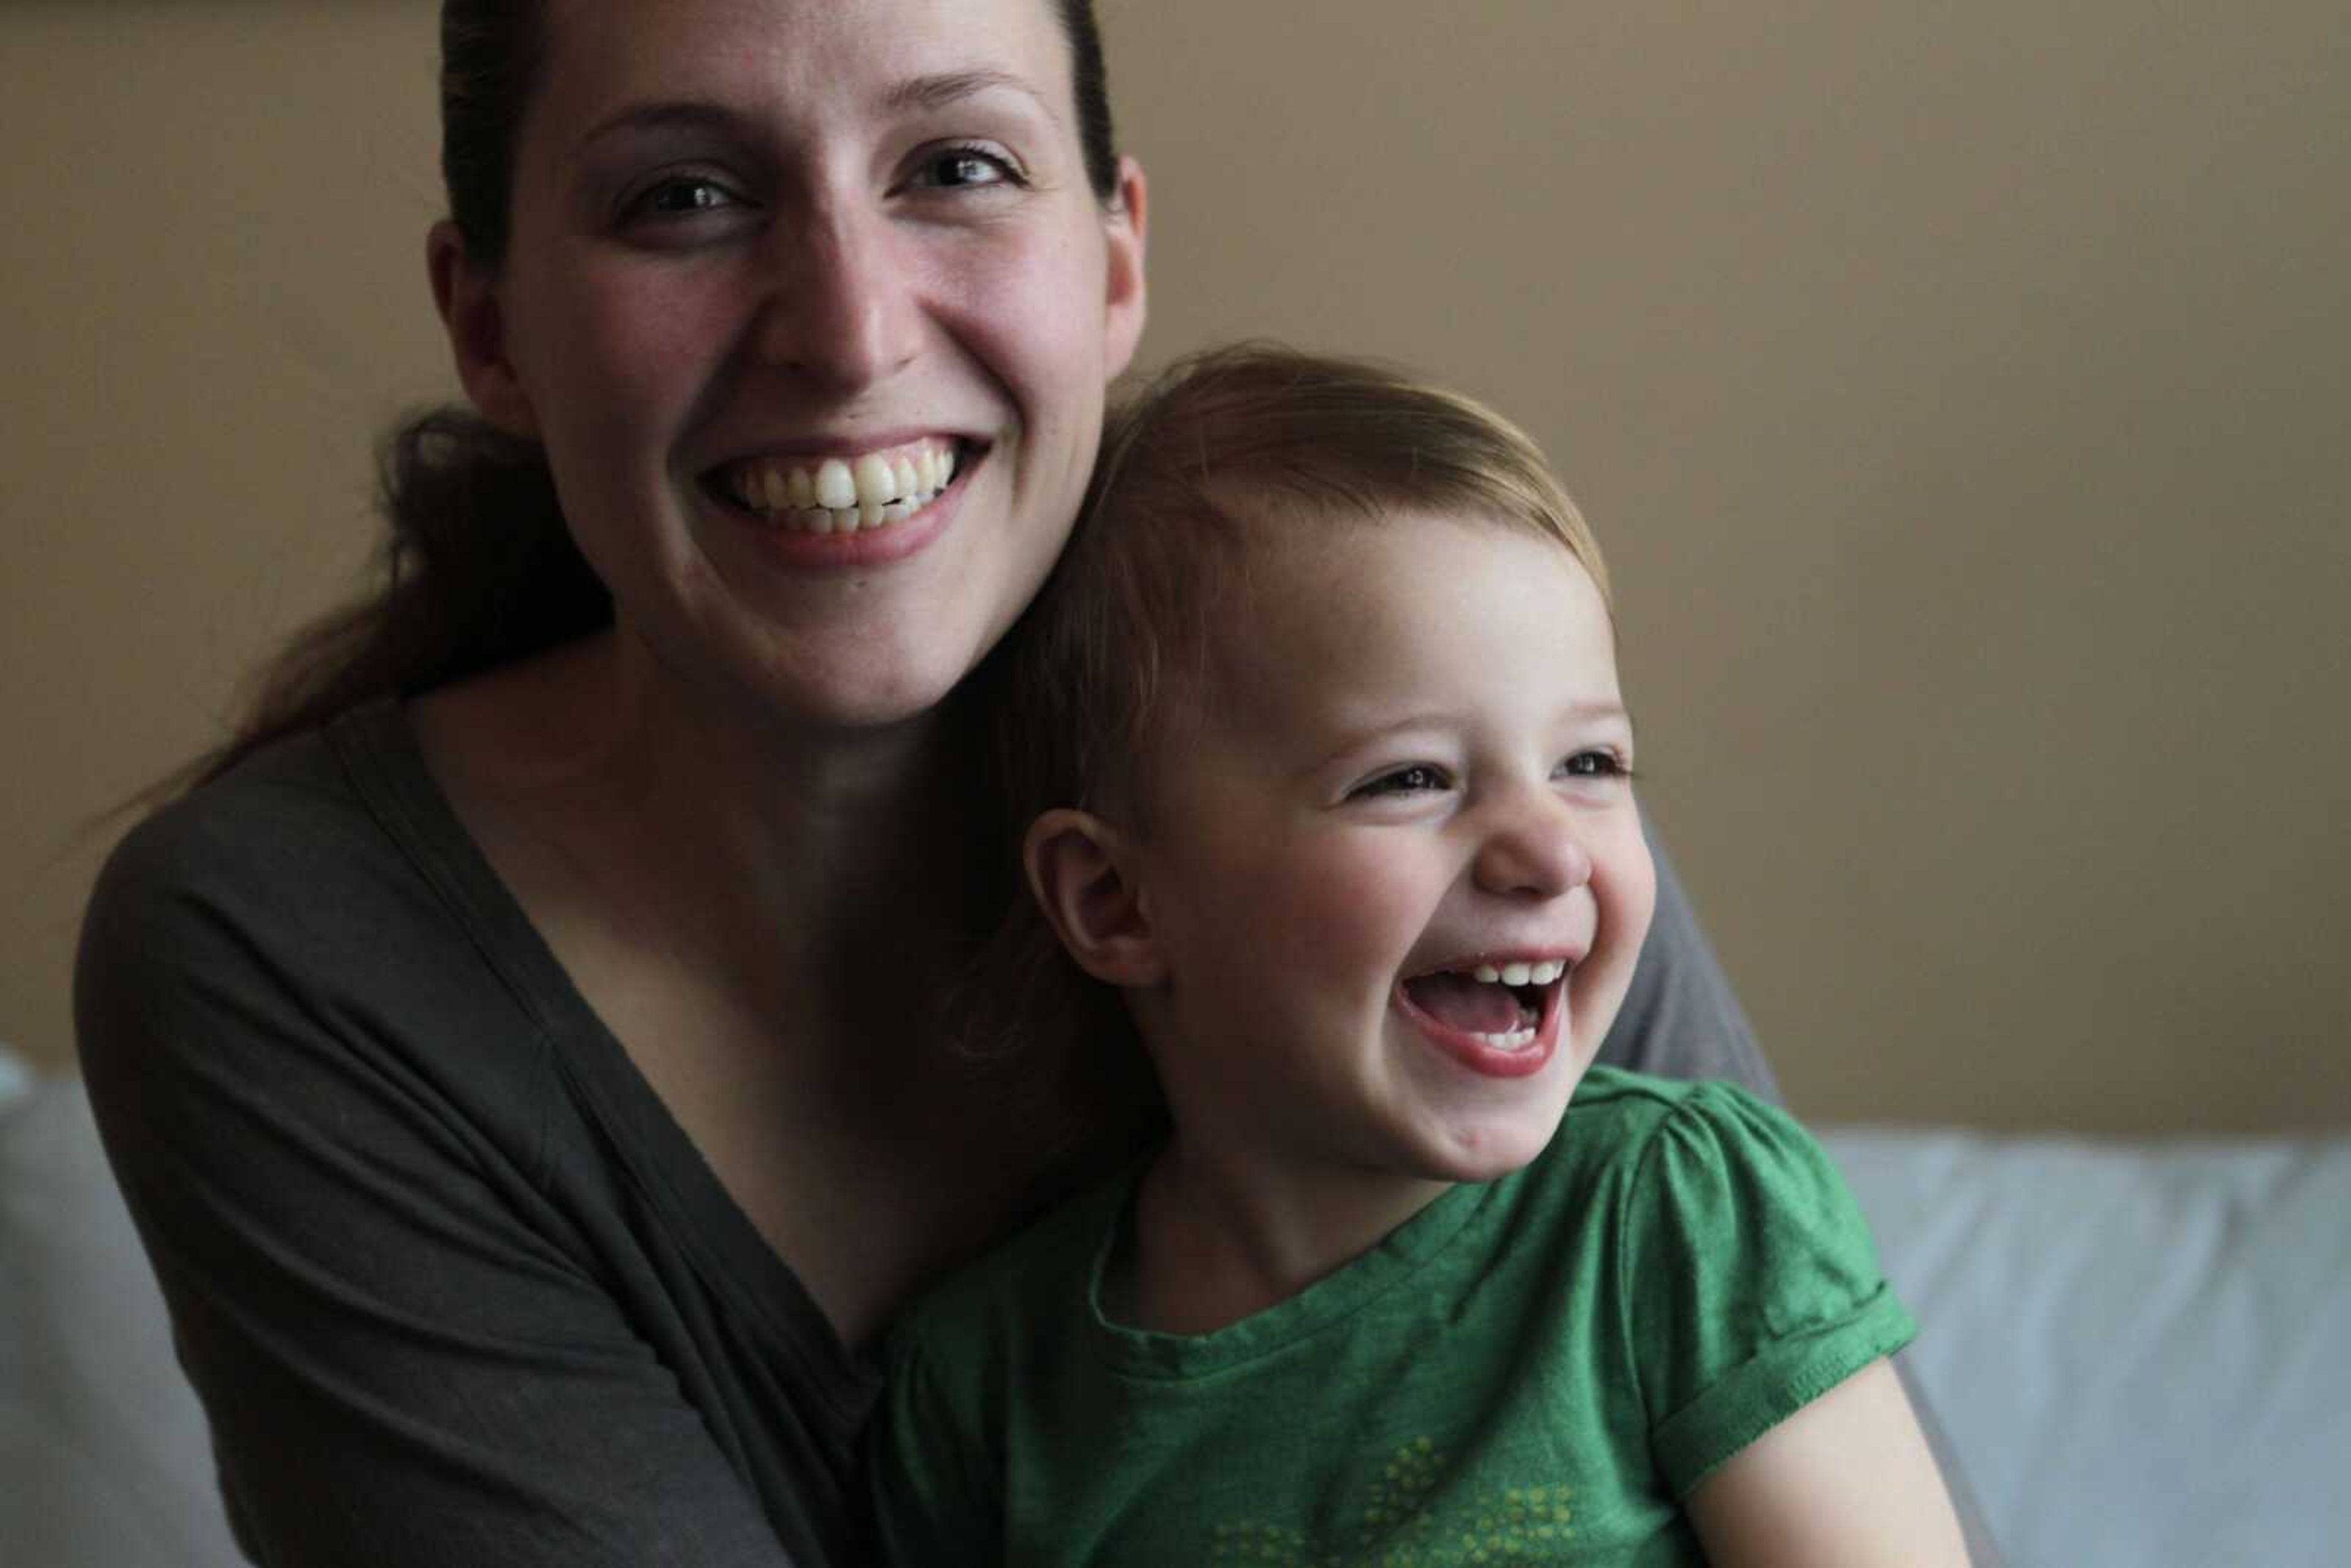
[(1532, 848)]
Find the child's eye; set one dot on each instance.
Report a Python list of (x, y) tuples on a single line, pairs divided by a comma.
[(964, 168), (1418, 777), (1597, 764)]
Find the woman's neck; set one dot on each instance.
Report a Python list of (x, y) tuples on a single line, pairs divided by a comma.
[(764, 916), (792, 852)]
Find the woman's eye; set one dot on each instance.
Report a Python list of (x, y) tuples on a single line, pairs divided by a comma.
[(681, 198), (1420, 778), (964, 168)]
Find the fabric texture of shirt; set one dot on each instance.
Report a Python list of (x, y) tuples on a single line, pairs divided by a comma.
[(453, 1285), (1534, 1370)]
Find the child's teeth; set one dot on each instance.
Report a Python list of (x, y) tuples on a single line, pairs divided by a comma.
[(1541, 974)]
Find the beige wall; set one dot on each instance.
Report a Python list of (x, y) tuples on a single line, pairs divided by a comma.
[(1959, 392)]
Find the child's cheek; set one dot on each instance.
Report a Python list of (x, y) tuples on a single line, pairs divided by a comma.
[(1347, 912)]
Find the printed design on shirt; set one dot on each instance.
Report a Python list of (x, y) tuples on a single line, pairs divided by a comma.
[(1404, 1524)]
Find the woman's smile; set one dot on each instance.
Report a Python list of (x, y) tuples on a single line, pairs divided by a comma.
[(842, 494), (849, 510)]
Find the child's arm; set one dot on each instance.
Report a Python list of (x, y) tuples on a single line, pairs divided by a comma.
[(1760, 1321), (1847, 1479)]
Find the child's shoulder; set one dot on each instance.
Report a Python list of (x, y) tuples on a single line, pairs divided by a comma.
[(1643, 1100), (1624, 1122)]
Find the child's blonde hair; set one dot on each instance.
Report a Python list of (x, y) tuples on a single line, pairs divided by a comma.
[(1219, 452), (1216, 453)]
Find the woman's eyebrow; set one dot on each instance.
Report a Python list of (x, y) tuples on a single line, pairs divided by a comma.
[(948, 87), (685, 114), (940, 90)]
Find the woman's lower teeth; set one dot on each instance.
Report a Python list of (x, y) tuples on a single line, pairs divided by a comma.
[(846, 520)]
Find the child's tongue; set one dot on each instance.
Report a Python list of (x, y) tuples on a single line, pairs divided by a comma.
[(1461, 1002)]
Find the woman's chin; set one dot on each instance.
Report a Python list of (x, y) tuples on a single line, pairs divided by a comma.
[(868, 702)]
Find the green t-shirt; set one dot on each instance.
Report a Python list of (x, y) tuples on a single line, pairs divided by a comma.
[(1530, 1370)]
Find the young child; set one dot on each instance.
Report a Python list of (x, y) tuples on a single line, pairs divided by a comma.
[(1333, 782)]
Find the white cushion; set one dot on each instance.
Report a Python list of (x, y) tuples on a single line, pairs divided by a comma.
[(104, 1457), (2137, 1349)]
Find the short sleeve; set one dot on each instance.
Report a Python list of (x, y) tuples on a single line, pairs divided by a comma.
[(1754, 1285), (936, 1502)]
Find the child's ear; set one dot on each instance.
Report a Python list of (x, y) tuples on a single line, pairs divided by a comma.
[(1083, 871)]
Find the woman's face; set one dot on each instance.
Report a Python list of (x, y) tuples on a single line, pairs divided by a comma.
[(776, 267)]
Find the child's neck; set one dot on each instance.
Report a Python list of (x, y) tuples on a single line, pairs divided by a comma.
[(1215, 1240)]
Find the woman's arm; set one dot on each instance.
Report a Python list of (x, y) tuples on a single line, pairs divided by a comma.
[(1845, 1482), (408, 1354)]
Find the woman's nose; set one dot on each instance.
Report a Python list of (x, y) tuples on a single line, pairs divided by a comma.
[(1532, 848), (841, 310)]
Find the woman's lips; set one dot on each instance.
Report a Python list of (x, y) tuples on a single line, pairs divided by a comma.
[(829, 539), (842, 494)]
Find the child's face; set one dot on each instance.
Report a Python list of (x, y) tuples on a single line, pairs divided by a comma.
[(1412, 766)]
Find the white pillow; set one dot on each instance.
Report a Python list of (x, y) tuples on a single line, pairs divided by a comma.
[(105, 1461), (2139, 1349)]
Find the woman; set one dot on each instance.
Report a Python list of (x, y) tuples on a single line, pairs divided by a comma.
[(474, 1061)]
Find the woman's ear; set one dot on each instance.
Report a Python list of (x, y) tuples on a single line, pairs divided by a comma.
[(1082, 871), (1126, 294), (474, 318)]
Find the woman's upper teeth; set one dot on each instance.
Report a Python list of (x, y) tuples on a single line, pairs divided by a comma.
[(832, 495), (1541, 974)]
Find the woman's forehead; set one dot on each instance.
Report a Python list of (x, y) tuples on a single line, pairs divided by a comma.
[(872, 54)]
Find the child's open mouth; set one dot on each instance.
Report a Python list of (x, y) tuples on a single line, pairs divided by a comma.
[(1501, 1007), (842, 494)]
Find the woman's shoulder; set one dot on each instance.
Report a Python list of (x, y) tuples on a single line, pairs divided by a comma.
[(316, 901), (286, 829)]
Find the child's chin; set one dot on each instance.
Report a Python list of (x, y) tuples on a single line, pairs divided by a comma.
[(1489, 1154)]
